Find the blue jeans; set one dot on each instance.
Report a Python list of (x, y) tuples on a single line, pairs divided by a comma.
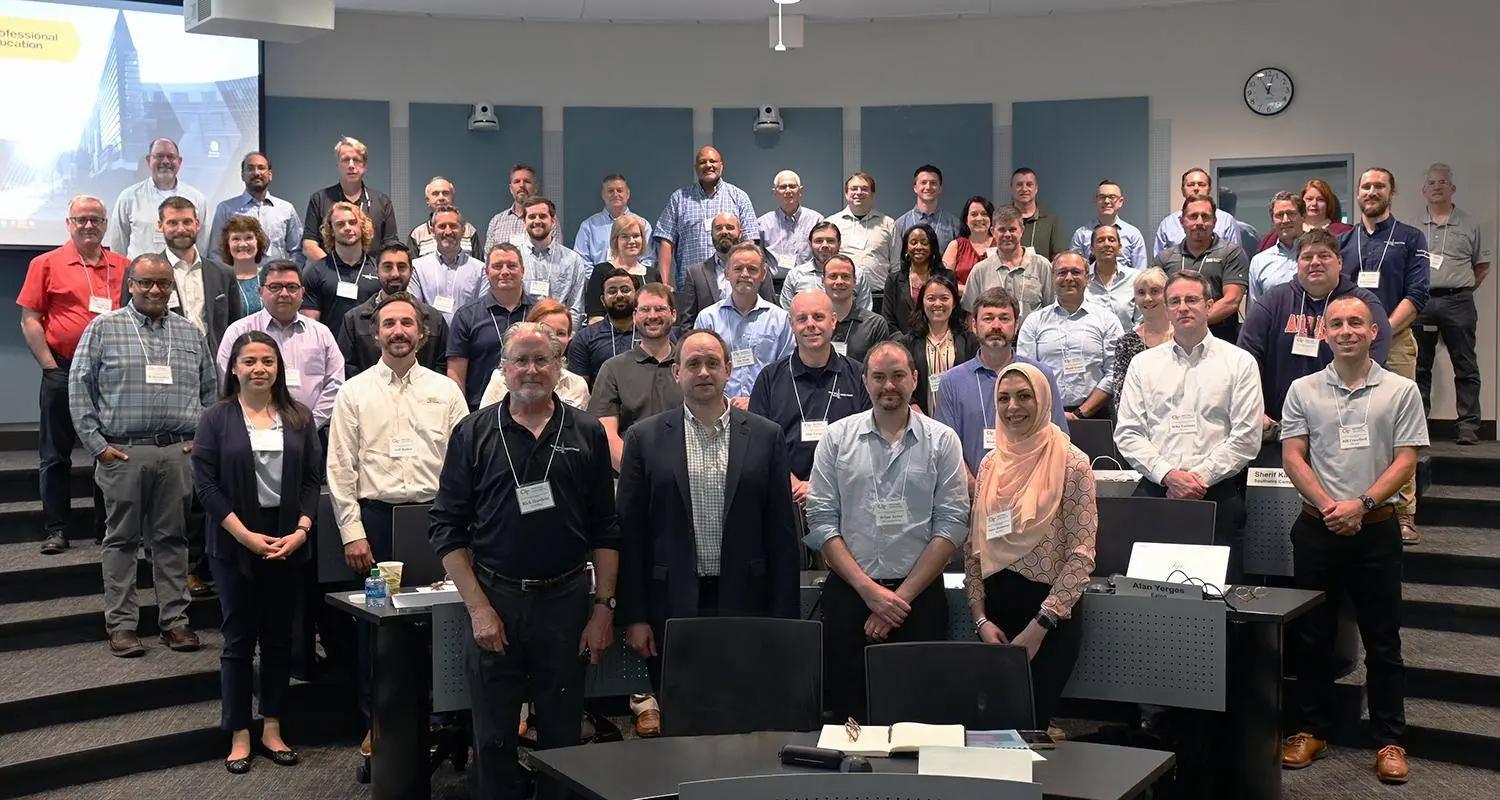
[(55, 445)]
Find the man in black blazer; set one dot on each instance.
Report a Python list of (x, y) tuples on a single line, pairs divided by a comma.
[(705, 508), (701, 285), (206, 292)]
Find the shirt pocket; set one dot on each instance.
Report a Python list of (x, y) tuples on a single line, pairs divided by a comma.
[(919, 486), (184, 362)]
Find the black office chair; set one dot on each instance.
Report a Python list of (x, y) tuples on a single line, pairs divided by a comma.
[(979, 686), (858, 786), (1095, 437), (1123, 521), (741, 674)]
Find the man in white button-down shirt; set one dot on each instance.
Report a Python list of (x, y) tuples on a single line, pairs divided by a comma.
[(1190, 415)]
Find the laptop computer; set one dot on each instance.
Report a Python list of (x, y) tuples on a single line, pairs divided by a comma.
[(1158, 561)]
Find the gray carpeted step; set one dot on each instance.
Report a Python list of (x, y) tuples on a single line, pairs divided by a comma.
[(1447, 504), (73, 737), (1443, 607), (1348, 773), (80, 618), (22, 521)]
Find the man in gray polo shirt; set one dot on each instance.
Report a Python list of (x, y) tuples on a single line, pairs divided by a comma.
[(1458, 259), (1220, 260), (1350, 436), (638, 383)]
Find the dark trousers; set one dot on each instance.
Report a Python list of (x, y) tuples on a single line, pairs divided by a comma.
[(1455, 320), (844, 616), (376, 517), (542, 629), (1011, 601), (257, 609), (56, 440), (1367, 568), (1229, 517)]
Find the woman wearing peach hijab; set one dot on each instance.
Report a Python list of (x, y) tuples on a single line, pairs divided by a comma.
[(1031, 539)]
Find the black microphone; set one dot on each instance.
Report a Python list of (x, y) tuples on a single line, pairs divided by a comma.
[(797, 755)]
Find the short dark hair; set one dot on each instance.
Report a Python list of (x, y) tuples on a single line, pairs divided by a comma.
[(928, 168), (1199, 198), (616, 272), (1022, 171), (402, 297), (539, 200), (997, 297), (888, 344), (1369, 312), (246, 159), (520, 165), (1183, 178), (658, 289), (826, 225), (723, 345), (279, 265), (176, 203), (1289, 197), (862, 175), (508, 247), (1196, 277), (392, 247), (846, 260), (1388, 174), (614, 176), (1318, 237)]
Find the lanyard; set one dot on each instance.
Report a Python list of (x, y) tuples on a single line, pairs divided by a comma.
[(614, 336), (89, 279), (146, 354), (1302, 315), (979, 388), (516, 476), (1359, 249), (831, 389), (1431, 226), (1344, 407)]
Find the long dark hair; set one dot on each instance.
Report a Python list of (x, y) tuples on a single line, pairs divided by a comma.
[(963, 221), (293, 414), (934, 261), (957, 321)]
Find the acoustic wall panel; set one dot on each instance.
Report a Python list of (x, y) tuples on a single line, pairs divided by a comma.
[(477, 162), (812, 145), (651, 147), (958, 139)]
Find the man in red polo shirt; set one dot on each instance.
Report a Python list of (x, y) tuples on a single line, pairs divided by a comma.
[(64, 290)]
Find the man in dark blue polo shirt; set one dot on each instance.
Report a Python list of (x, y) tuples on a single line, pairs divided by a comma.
[(812, 387), (1390, 259), (474, 338), (611, 336)]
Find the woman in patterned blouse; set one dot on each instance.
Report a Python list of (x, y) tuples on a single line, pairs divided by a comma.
[(1031, 536), (1153, 329)]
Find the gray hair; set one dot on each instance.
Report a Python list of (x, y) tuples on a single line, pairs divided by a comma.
[(83, 198), (1441, 169), (1151, 276), (529, 327)]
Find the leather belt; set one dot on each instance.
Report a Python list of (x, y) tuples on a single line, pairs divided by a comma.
[(530, 584), (1447, 292), (1380, 514), (158, 439)]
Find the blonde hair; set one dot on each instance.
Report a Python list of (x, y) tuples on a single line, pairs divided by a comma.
[(623, 222), (366, 227), (1151, 276), (357, 145)]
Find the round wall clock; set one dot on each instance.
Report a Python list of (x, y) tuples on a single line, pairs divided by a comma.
[(1269, 91)]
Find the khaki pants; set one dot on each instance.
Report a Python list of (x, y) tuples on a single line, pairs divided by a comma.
[(1403, 362)]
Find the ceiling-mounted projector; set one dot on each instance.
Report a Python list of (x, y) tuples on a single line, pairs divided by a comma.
[(285, 21)]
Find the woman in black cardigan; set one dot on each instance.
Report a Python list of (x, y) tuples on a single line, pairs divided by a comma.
[(939, 337), (256, 468), (920, 260)]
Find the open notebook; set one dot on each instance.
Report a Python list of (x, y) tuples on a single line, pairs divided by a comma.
[(883, 740)]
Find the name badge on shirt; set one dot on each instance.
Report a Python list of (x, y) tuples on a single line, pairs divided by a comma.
[(99, 305), (1183, 422), (934, 382), (997, 524), (1435, 260), (1369, 279), (173, 301), (293, 378), (443, 303), (266, 441), (842, 348), (534, 497), (890, 513), (813, 430), (159, 374), (1074, 365), (989, 438), (349, 290), (538, 288), (743, 357), (403, 447), (1354, 437), (1304, 346)]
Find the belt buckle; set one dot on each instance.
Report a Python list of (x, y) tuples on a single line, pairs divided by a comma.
[(162, 439), (532, 584)]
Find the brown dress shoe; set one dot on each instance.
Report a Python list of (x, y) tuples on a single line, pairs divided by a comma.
[(125, 644), (1302, 749), (1390, 764), (197, 588), (648, 723), (1409, 533), (182, 639)]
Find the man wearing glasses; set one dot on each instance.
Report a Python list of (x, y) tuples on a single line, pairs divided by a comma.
[(64, 290), (785, 229), (133, 228), (1108, 200)]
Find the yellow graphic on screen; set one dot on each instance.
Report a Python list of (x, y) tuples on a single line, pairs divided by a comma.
[(37, 40)]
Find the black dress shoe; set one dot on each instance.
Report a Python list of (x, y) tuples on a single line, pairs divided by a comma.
[(54, 543), (281, 758), (237, 766)]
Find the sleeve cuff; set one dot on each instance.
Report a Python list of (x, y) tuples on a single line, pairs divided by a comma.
[(351, 532)]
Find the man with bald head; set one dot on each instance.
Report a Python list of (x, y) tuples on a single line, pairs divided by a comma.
[(784, 229), (683, 234), (707, 283), (132, 227), (812, 387)]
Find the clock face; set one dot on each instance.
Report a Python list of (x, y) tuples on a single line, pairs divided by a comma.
[(1268, 92)]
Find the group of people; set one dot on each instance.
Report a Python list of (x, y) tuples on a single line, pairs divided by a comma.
[(903, 401)]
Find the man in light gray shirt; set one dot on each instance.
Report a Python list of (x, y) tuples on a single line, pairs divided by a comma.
[(887, 507), (132, 224), (552, 270)]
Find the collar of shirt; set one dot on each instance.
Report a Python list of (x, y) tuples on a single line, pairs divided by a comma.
[(1122, 274), (1454, 218), (272, 323), (1083, 310), (1199, 351), (1214, 243), (791, 218), (643, 357), (247, 200), (1284, 251), (1380, 227), (337, 263), (1372, 378), (458, 261), (835, 364), (505, 420), (696, 189), (493, 303), (389, 376), (183, 264), (867, 427), (760, 303), (718, 426), (541, 251), (143, 321), (871, 218)]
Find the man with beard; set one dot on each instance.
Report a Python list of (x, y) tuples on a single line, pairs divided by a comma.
[(278, 218), (887, 507), (205, 291), (971, 412), (1074, 338), (346, 277), (1221, 260), (386, 446), (857, 329), (552, 269), (611, 336), (132, 230), (525, 502), (685, 231), (474, 339), (423, 240), (1024, 275), (824, 243), (1389, 258), (447, 278), (356, 336), (707, 283), (639, 383), (376, 205), (509, 226), (757, 330)]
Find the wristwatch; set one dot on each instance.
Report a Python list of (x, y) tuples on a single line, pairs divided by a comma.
[(607, 602), (1046, 621), (1367, 501)]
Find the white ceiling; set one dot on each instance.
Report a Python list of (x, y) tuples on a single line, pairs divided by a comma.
[(744, 10)]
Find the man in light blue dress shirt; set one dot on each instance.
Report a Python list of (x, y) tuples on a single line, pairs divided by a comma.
[(784, 229), (927, 185), (592, 240), (1277, 264), (1075, 338), (683, 233), (1111, 283), (449, 278), (278, 218), (1195, 182), (757, 330), (1108, 200), (552, 270)]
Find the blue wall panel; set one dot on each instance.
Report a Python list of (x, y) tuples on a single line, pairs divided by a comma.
[(301, 133), (812, 145), (651, 147), (478, 162), (1074, 144), (959, 139)]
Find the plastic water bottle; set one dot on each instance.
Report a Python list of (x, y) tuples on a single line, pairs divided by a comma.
[(375, 589)]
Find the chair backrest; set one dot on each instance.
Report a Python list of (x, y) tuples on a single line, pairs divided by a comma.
[(979, 686), (857, 786), (410, 545), (1123, 521), (1095, 437), (741, 674)]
